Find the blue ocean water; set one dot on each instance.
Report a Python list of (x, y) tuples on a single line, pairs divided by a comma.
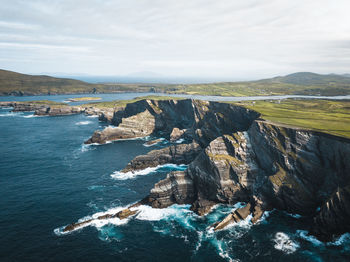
[(49, 179)]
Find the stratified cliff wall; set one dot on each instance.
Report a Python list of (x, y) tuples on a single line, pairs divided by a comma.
[(202, 121), (269, 166)]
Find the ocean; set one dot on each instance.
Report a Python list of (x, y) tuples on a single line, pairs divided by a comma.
[(50, 179)]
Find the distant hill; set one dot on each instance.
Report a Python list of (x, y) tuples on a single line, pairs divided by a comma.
[(312, 79), (12, 83), (302, 83)]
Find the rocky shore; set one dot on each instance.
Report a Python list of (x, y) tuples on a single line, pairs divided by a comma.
[(41, 108), (232, 156)]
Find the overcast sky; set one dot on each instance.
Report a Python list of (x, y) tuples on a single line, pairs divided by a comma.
[(192, 38)]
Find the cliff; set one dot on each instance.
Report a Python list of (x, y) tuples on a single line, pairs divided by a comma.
[(268, 166), (233, 156), (202, 121)]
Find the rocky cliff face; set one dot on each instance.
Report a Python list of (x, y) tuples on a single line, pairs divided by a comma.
[(233, 157), (268, 166), (199, 120), (175, 154)]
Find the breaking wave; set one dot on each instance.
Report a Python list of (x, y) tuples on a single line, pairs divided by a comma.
[(83, 123), (96, 222), (284, 243), (149, 170)]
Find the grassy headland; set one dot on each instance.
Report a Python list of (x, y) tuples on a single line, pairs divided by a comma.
[(122, 103), (329, 116)]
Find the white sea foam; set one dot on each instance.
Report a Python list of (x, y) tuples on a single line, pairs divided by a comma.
[(297, 216), (160, 140), (18, 114), (221, 247), (155, 214), (92, 116), (83, 123), (304, 235), (345, 238), (30, 116), (12, 114), (149, 170), (265, 215), (179, 141), (98, 223), (284, 243)]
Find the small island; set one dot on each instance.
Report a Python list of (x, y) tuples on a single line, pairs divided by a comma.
[(79, 99)]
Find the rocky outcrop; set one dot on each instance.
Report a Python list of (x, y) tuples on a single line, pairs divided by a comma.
[(176, 154), (42, 108), (123, 214), (176, 134), (334, 215), (177, 187), (202, 121), (270, 166), (136, 126), (235, 157), (58, 111)]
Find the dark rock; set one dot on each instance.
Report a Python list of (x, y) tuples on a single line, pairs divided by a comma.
[(176, 154)]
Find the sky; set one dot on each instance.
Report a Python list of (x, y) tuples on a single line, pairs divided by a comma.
[(232, 39)]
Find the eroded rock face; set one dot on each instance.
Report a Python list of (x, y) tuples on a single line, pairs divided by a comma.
[(136, 126), (58, 111), (202, 121), (273, 166), (176, 134), (123, 214), (334, 215), (175, 154), (176, 188)]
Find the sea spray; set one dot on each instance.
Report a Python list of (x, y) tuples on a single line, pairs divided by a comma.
[(118, 175)]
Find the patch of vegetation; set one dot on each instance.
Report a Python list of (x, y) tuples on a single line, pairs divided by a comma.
[(329, 116), (78, 99), (46, 102), (123, 103)]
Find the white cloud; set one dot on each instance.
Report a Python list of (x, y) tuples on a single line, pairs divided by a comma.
[(238, 39)]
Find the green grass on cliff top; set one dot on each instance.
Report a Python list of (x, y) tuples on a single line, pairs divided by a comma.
[(46, 102), (329, 116), (122, 103)]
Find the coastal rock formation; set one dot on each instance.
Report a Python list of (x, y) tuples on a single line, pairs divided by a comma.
[(268, 166), (58, 111), (177, 134), (233, 156), (176, 188), (47, 108), (176, 154), (201, 120), (123, 214)]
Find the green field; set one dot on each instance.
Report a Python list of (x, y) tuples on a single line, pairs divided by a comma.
[(329, 116), (122, 103), (12, 83), (46, 102), (79, 99)]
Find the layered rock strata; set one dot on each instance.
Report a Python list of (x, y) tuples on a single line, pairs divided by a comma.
[(175, 154), (202, 121), (268, 166)]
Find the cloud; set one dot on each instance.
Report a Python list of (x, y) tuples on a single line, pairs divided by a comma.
[(238, 39)]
